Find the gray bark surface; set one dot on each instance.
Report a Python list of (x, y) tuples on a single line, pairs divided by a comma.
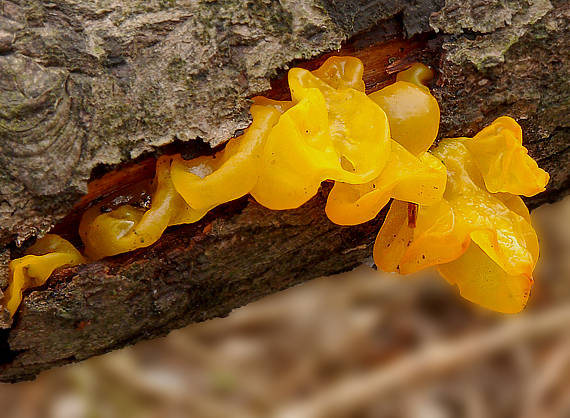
[(84, 88)]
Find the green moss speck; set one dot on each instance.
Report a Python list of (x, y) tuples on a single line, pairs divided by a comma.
[(176, 69)]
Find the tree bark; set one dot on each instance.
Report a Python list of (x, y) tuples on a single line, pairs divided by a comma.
[(85, 89)]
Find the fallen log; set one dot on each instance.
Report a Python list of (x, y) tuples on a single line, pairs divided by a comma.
[(87, 91)]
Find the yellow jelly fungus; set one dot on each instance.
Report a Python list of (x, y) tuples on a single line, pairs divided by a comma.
[(469, 222), (206, 182), (419, 180), (310, 144), (467, 211), (418, 74), (33, 270), (328, 134), (358, 129), (504, 162), (401, 245), (464, 216), (413, 113), (482, 281), (342, 72), (128, 228)]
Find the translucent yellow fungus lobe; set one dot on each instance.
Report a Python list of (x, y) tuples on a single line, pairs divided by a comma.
[(501, 232), (418, 74), (482, 241), (419, 180), (33, 270), (342, 72), (206, 182), (128, 228), (329, 134), (401, 245), (504, 162), (467, 212), (358, 128), (413, 113), (482, 281)]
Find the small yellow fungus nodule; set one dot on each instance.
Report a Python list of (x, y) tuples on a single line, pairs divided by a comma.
[(456, 208), (413, 113)]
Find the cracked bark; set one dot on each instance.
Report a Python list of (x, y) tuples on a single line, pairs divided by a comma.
[(85, 89)]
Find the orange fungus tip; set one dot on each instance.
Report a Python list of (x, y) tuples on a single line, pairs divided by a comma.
[(456, 207)]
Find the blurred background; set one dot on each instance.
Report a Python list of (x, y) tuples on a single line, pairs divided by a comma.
[(360, 344)]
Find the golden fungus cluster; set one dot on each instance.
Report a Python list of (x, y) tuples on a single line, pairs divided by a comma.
[(456, 207), (479, 234)]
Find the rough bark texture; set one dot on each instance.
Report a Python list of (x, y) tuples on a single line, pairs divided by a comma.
[(84, 87)]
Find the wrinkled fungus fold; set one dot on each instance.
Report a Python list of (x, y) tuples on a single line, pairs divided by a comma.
[(419, 180), (456, 207), (480, 237)]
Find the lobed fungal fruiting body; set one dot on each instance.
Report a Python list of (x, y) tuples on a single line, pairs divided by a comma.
[(480, 239), (37, 265), (457, 207)]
